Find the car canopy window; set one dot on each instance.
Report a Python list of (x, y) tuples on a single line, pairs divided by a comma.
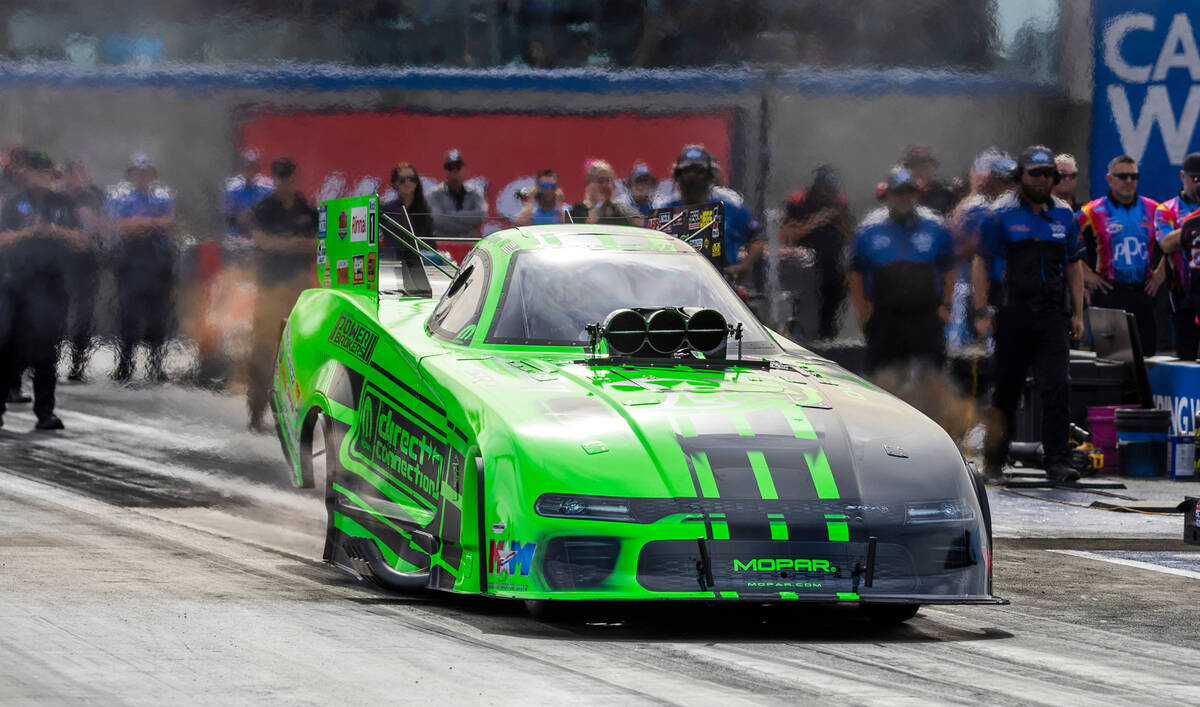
[(458, 311), (551, 296)]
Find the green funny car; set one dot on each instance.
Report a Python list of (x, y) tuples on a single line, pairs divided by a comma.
[(590, 412)]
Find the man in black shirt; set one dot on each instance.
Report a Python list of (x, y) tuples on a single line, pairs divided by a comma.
[(285, 233), (934, 193), (39, 228)]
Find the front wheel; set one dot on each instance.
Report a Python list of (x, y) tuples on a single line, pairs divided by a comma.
[(889, 614)]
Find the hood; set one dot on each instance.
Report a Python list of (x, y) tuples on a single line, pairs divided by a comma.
[(803, 431)]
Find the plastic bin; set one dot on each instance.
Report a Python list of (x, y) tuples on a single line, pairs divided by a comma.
[(1142, 441), (1102, 424)]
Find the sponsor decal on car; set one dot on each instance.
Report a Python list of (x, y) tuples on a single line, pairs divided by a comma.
[(359, 268), (287, 389), (321, 257), (509, 558), (353, 338), (358, 224), (343, 272), (388, 440), (775, 564), (371, 229), (343, 223), (371, 266), (321, 220)]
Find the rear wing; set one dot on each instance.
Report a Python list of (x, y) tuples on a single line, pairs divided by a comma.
[(348, 245), (350, 232)]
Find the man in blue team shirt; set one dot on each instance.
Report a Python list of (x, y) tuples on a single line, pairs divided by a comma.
[(695, 175), (39, 231), (1038, 236), (143, 213), (902, 277), (243, 191), (641, 186)]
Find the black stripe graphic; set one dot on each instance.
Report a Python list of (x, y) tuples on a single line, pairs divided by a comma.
[(399, 543), (387, 374), (735, 479), (708, 531)]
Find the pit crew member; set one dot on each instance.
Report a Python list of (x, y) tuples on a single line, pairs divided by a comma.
[(1117, 230), (1038, 236), (902, 277)]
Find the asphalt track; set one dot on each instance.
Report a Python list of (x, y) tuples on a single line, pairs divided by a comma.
[(154, 552)]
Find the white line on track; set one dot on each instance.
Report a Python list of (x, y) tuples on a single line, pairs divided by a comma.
[(1130, 563)]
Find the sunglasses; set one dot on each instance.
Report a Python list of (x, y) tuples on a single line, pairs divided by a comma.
[(402, 180), (1069, 175), (1041, 172), (1128, 176), (547, 185)]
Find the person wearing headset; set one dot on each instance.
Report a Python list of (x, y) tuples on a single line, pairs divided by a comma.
[(1038, 236), (695, 177)]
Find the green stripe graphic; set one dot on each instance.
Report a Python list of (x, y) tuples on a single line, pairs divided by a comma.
[(822, 475), (762, 474), (801, 427), (839, 530)]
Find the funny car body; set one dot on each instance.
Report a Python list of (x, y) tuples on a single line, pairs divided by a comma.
[(590, 413)]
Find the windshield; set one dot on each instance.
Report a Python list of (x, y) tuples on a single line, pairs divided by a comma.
[(551, 296)]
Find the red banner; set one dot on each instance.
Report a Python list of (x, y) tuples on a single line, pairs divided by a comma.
[(352, 153)]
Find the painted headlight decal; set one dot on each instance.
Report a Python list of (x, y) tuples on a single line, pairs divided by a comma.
[(560, 505), (945, 511)]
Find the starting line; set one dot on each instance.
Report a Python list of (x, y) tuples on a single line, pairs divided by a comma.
[(1132, 563)]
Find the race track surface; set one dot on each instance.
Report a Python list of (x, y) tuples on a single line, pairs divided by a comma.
[(154, 552)]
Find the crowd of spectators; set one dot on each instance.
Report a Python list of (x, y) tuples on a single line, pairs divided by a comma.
[(938, 265)]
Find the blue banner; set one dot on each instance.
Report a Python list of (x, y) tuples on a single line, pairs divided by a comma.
[(1176, 387), (1147, 90)]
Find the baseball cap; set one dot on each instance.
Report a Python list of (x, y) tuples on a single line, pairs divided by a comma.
[(1036, 156), (796, 205), (248, 157), (453, 157), (641, 171), (1191, 163), (694, 155), (140, 160), (1003, 167), (900, 178)]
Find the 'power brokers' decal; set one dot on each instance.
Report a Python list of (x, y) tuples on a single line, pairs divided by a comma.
[(388, 437), (354, 338)]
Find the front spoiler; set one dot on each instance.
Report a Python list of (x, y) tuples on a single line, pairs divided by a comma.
[(757, 598)]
